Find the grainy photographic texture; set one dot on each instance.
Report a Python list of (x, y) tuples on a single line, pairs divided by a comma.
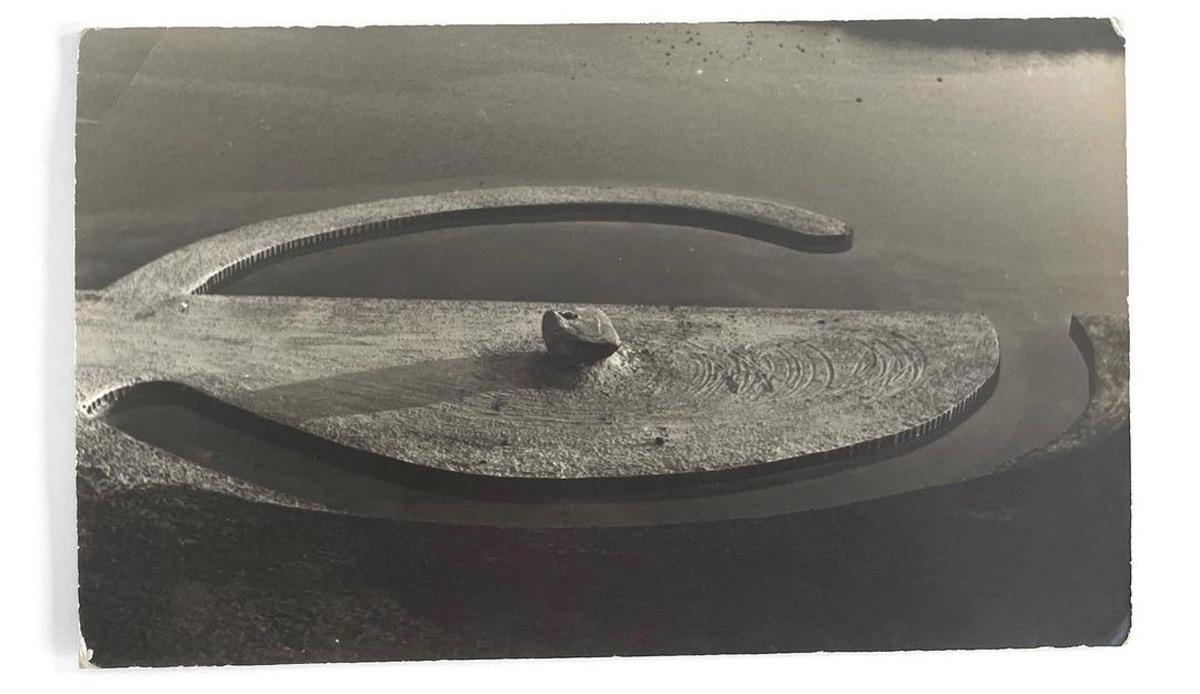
[(471, 342)]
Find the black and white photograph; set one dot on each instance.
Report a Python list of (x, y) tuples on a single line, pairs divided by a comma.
[(558, 341), (477, 341)]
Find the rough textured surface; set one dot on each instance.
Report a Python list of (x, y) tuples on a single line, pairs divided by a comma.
[(179, 565), (579, 335), (205, 265), (1103, 342), (999, 191), (467, 387), (115, 462)]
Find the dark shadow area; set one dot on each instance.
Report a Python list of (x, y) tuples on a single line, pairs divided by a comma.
[(586, 262), (249, 446), (1035, 556), (413, 385), (499, 216), (1066, 35)]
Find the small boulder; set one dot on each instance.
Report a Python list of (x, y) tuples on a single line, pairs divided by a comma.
[(579, 334)]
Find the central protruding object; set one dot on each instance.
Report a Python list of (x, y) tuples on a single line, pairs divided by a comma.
[(579, 334)]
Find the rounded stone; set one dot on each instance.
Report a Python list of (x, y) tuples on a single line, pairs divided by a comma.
[(579, 334)]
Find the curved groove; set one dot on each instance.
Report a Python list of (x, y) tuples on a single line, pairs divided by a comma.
[(364, 464), (1103, 343), (206, 265), (101, 403)]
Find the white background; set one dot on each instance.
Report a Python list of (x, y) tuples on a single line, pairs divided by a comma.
[(37, 566)]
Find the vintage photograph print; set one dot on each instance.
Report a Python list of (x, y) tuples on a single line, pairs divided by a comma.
[(439, 342)]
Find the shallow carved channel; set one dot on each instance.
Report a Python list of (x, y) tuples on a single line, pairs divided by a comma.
[(465, 387)]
